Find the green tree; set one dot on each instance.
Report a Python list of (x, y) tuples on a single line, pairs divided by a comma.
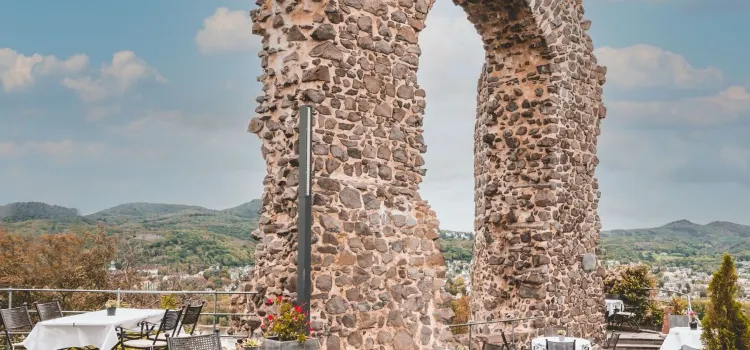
[(456, 286), (633, 283), (725, 327)]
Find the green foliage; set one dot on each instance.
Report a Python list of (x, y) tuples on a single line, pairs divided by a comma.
[(210, 236), (15, 212), (168, 301), (632, 282), (456, 286), (289, 322), (725, 326), (678, 305), (678, 244), (197, 249)]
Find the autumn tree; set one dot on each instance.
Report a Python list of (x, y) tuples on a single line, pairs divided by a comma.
[(725, 327), (59, 261)]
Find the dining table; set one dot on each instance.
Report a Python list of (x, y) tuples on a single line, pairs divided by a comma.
[(613, 305), (95, 328), (682, 337)]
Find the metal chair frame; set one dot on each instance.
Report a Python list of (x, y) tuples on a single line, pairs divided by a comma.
[(195, 342), (14, 319), (49, 310), (168, 323)]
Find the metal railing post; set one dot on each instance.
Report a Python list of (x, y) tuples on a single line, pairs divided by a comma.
[(10, 298), (470, 341), (118, 296), (215, 309)]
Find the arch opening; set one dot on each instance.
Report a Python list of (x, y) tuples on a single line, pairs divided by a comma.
[(377, 272)]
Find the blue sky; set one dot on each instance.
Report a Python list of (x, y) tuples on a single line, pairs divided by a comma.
[(103, 103)]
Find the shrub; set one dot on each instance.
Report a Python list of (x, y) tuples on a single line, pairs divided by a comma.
[(632, 282), (725, 326), (460, 308), (288, 323), (456, 286), (679, 305), (168, 301)]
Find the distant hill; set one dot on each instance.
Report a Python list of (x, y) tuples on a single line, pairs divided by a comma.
[(679, 243), (36, 211), (168, 234), (226, 233), (247, 210), (145, 210)]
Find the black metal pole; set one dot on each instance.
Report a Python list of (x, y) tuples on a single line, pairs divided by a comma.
[(304, 217)]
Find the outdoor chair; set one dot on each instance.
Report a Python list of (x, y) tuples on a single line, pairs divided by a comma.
[(168, 323), (612, 341), (196, 342), (17, 322), (49, 310), (623, 317), (552, 331), (557, 345), (190, 318)]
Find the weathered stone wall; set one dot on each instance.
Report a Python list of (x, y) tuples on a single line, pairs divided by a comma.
[(538, 111), (377, 271)]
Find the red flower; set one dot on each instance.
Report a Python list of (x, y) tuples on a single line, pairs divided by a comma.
[(269, 301), (270, 317), (310, 329), (298, 309), (279, 299), (263, 326)]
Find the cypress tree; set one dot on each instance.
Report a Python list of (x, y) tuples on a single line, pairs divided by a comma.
[(725, 327)]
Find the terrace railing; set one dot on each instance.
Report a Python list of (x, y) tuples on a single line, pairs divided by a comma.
[(119, 293), (512, 321)]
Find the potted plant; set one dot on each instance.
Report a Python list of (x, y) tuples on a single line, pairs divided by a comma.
[(111, 306), (693, 320), (287, 327), (251, 344), (561, 334)]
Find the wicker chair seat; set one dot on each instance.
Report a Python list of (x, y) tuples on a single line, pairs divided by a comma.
[(143, 344)]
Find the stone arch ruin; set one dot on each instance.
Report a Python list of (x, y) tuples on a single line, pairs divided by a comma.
[(377, 269)]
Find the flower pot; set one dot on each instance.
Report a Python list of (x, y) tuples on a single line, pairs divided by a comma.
[(272, 344), (251, 348), (693, 324), (562, 338), (111, 311)]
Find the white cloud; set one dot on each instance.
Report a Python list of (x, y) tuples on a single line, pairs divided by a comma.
[(226, 31), (649, 66), (172, 119), (725, 107), (18, 71), (62, 150), (116, 77)]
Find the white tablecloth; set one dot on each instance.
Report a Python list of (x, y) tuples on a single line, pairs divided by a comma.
[(612, 304), (541, 343), (679, 336), (91, 328)]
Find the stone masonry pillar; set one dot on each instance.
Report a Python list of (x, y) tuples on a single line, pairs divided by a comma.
[(538, 113), (377, 271)]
